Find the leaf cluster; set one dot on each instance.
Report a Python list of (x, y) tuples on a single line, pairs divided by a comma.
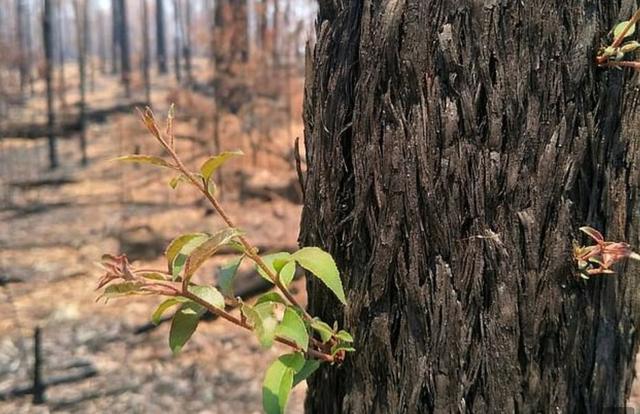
[(274, 317)]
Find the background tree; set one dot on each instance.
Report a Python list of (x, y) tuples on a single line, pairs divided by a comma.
[(23, 63), (177, 41), (186, 44), (454, 149), (231, 34), (161, 50), (102, 43), (146, 52), (61, 39), (115, 36), (125, 62), (47, 41), (81, 17)]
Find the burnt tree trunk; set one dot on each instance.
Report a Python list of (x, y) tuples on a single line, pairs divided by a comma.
[(186, 47), (275, 35), (89, 46), (453, 150), (115, 36), (61, 28), (125, 61), (47, 42), (177, 41), (146, 52), (23, 63), (80, 8), (161, 49), (102, 44), (231, 40)]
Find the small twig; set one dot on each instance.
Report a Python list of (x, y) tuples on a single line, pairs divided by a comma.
[(39, 387), (243, 324), (624, 63)]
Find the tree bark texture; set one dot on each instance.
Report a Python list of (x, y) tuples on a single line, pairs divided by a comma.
[(453, 150)]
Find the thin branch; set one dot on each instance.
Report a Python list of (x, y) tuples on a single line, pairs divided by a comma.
[(225, 315), (624, 63)]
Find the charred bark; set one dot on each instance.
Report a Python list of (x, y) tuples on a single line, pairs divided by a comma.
[(453, 151)]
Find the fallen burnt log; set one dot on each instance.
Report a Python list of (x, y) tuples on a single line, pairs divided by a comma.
[(84, 397), (43, 182), (28, 389), (65, 129)]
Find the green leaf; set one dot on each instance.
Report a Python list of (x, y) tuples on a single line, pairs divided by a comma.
[(116, 290), (145, 159), (617, 30), (237, 246), (292, 327), (287, 273), (153, 276), (203, 251), (209, 294), (263, 320), (295, 361), (226, 276), (162, 308), (175, 181), (321, 264), (212, 188), (272, 297), (278, 382), (341, 347), (310, 366), (345, 336), (179, 249), (184, 324), (279, 263), (325, 331), (212, 164)]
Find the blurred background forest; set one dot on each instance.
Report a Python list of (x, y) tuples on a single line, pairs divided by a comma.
[(72, 73)]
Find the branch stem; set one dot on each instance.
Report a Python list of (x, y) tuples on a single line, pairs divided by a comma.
[(225, 315), (250, 251)]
